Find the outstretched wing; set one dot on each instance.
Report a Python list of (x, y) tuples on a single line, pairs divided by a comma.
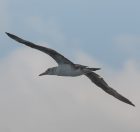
[(99, 81), (60, 59)]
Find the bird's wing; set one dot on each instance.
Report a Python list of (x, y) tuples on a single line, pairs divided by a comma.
[(99, 81), (60, 59)]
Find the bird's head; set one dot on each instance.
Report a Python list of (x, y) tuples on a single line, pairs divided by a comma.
[(49, 71)]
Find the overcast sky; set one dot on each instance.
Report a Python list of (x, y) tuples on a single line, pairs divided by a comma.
[(103, 33)]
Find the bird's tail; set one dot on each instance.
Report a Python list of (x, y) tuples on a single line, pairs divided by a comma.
[(93, 69)]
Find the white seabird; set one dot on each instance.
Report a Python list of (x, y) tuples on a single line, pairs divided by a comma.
[(67, 68)]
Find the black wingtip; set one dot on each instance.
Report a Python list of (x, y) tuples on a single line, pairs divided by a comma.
[(129, 102), (7, 33), (10, 35), (132, 104), (16, 38)]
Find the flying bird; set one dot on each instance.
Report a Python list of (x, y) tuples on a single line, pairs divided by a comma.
[(68, 68)]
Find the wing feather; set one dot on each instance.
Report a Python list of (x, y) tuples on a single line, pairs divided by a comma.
[(99, 81), (60, 59)]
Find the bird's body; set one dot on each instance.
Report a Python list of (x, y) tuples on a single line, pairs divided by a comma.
[(67, 68)]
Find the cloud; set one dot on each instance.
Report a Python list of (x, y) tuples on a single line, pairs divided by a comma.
[(31, 103), (127, 43)]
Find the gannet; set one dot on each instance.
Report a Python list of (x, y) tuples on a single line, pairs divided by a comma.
[(68, 68)]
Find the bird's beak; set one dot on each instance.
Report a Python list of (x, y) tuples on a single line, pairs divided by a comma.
[(44, 73)]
